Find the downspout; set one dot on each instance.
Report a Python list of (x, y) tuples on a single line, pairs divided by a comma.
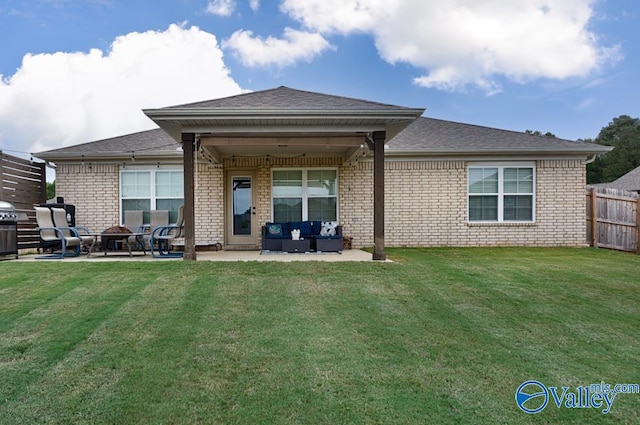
[(590, 160)]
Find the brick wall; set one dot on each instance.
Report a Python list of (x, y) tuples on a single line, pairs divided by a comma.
[(356, 202), (426, 205), (209, 204), (94, 190), (425, 201)]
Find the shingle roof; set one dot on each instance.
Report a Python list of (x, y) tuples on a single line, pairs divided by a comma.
[(630, 181), (285, 98), (429, 135), (426, 136), (150, 142)]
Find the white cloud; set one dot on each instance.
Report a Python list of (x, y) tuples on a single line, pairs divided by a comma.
[(292, 47), (221, 7), (60, 99), (254, 5), (468, 42), (586, 103), (595, 83)]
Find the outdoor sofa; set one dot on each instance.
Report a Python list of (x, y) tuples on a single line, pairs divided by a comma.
[(329, 240)]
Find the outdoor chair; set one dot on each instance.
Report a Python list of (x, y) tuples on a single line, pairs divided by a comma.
[(165, 238), (53, 237), (134, 222), (159, 218), (60, 221)]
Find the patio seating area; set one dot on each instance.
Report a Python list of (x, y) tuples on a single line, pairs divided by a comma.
[(118, 243), (313, 236), (61, 238)]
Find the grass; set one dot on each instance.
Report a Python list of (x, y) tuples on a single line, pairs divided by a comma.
[(440, 336)]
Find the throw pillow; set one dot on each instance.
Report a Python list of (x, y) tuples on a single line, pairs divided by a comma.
[(274, 229), (303, 226), (328, 228)]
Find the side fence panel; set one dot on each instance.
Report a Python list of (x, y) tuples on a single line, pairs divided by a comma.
[(616, 221), (23, 184)]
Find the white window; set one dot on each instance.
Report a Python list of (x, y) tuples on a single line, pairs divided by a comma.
[(151, 189), (501, 193), (310, 194)]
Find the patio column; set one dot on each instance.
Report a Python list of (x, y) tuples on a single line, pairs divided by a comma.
[(378, 195), (188, 149)]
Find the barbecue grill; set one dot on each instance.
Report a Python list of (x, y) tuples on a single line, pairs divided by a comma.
[(9, 229)]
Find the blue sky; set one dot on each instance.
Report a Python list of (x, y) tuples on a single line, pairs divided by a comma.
[(75, 71)]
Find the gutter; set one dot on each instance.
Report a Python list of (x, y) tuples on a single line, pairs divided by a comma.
[(208, 113), (120, 156), (496, 151)]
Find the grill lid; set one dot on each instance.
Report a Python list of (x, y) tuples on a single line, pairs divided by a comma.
[(6, 207), (8, 213)]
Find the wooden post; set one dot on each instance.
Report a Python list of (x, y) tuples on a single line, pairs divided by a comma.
[(188, 149), (594, 217), (378, 195)]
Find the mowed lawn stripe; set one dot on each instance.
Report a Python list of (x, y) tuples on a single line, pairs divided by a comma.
[(40, 333), (440, 336), (530, 313)]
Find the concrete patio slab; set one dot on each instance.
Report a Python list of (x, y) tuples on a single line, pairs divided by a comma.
[(347, 255)]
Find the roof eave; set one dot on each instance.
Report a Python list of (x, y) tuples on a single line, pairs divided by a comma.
[(502, 152), (175, 121), (110, 156), (209, 114)]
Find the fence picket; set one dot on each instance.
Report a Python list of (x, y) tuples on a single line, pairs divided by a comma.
[(613, 220)]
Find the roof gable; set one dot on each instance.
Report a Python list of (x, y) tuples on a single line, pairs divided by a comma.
[(285, 98)]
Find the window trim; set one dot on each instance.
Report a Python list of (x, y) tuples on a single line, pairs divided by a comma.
[(153, 198), (501, 165), (305, 195)]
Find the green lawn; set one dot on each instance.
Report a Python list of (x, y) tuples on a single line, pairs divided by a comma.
[(440, 336)]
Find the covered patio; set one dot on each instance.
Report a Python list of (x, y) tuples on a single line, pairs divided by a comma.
[(280, 123), (350, 255)]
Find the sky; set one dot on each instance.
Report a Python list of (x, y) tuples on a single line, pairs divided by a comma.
[(75, 71)]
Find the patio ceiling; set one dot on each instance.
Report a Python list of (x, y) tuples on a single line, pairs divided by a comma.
[(222, 146)]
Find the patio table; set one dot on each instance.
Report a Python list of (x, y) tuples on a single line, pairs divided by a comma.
[(299, 245), (118, 236)]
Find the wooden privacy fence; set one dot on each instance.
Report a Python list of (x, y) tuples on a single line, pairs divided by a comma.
[(613, 220), (23, 183)]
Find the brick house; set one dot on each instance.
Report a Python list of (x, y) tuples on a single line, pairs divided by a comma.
[(386, 174)]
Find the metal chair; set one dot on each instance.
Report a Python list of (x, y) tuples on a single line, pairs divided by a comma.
[(164, 238), (52, 236), (60, 221), (159, 218), (133, 221)]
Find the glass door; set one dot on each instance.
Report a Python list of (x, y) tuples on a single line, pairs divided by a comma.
[(242, 213)]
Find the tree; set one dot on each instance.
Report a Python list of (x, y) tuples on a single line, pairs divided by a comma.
[(624, 134), (539, 133), (51, 190)]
